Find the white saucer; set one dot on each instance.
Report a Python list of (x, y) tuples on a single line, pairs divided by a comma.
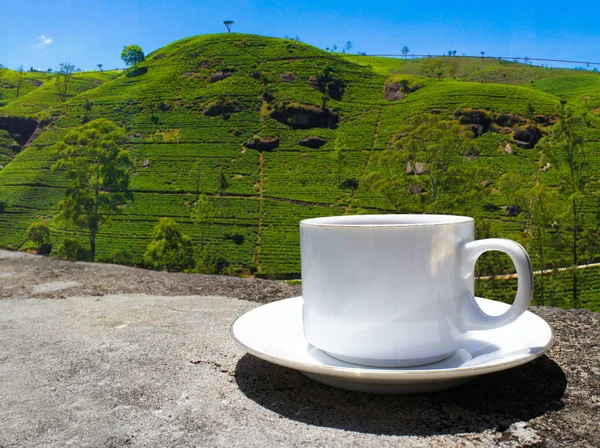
[(273, 332)]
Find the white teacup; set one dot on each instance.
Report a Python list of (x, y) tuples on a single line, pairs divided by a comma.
[(397, 290)]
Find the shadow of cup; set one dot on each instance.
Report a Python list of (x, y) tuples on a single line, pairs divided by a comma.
[(492, 401)]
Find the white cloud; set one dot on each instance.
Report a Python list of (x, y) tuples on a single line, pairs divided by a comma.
[(43, 41)]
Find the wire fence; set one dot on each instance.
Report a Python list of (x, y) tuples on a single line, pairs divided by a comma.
[(501, 58)]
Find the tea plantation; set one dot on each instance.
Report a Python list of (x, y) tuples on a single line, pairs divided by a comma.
[(270, 113)]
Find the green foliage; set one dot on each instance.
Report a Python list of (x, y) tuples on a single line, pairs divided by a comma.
[(228, 24), (71, 249), (132, 55), (330, 83), (98, 172), (427, 169), (119, 256), (202, 212), (63, 79), (177, 123), (206, 262), (565, 146), (169, 249), (39, 233)]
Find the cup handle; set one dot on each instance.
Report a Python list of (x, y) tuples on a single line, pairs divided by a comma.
[(473, 317)]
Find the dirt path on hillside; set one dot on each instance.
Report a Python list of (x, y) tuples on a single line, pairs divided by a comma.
[(541, 272)]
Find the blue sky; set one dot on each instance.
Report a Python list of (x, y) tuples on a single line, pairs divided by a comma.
[(44, 33)]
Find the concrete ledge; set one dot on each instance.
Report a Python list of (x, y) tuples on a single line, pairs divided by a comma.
[(155, 370)]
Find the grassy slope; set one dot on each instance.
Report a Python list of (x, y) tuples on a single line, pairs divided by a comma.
[(170, 137), (578, 86)]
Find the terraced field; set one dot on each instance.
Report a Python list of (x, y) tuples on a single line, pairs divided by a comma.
[(200, 105)]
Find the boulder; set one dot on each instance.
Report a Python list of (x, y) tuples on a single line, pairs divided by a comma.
[(544, 120), (512, 210), (303, 116), (218, 76), (477, 129), (419, 167), (287, 77), (546, 167), (508, 149), (312, 141), (392, 92), (415, 189), (509, 120), (527, 137), (397, 90), (313, 81), (215, 108), (478, 120), (263, 143)]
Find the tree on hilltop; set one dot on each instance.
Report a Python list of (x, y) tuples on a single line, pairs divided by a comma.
[(132, 55), (98, 170), (64, 73), (228, 24), (1, 80), (100, 67), (405, 51), (19, 80)]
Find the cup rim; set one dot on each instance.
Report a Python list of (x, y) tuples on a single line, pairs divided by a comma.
[(389, 220)]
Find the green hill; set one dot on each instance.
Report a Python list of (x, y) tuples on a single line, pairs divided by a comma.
[(247, 105)]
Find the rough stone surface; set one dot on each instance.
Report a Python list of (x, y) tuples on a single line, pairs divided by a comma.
[(128, 369), (312, 141), (24, 271), (218, 76), (511, 210), (263, 143), (527, 137)]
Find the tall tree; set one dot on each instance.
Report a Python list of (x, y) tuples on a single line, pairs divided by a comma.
[(39, 233), (427, 168), (20, 72), (348, 47), (565, 147), (64, 73), (203, 211), (132, 55), (100, 67), (405, 51), (196, 176), (539, 204), (223, 183), (339, 154), (98, 170), (169, 249), (223, 186), (2, 69), (228, 24)]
